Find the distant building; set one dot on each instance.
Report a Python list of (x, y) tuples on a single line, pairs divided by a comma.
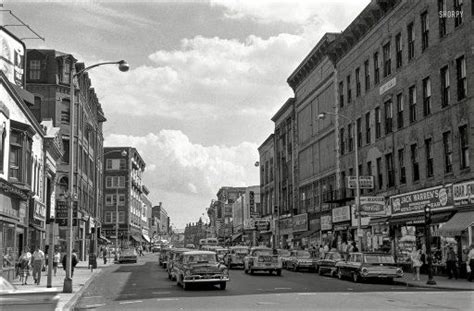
[(267, 182)]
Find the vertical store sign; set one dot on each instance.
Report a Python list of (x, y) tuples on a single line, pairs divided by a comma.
[(12, 57)]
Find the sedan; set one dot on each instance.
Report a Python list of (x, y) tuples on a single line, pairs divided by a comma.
[(362, 266), (128, 255), (301, 259), (12, 298), (328, 263)]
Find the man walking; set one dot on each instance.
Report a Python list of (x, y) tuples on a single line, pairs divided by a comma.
[(451, 263), (38, 263)]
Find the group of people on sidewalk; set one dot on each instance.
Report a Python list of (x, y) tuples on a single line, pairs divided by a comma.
[(417, 258), (36, 263)]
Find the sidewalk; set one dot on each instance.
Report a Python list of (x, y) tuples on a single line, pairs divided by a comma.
[(81, 279), (442, 282)]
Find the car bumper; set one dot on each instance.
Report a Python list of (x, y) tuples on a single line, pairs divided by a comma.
[(197, 279), (381, 275)]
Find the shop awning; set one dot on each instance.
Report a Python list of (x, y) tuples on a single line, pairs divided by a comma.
[(307, 234), (236, 236), (379, 220), (136, 238), (418, 219), (146, 238), (457, 224)]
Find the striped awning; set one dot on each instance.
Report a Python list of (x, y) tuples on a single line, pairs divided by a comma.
[(457, 224)]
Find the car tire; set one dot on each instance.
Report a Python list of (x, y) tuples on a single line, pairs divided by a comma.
[(223, 285), (251, 271), (339, 274), (279, 272), (355, 277)]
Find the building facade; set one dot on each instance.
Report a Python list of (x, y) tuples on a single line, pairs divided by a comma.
[(267, 163), (313, 83), (403, 67), (49, 76), (123, 190)]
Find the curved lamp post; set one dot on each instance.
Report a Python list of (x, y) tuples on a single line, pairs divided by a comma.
[(322, 116), (122, 66)]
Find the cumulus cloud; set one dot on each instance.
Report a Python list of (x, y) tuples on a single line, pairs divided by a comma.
[(180, 166)]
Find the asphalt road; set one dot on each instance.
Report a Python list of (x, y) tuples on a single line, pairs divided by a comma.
[(145, 286)]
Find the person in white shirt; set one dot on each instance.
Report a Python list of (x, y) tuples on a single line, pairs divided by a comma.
[(38, 263), (470, 263)]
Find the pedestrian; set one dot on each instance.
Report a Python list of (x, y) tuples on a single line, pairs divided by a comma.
[(104, 254), (56, 258), (354, 247), (25, 266), (74, 262), (451, 263), (470, 263), (38, 263), (416, 263)]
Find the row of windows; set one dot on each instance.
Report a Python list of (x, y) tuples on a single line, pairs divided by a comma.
[(114, 182), (387, 52), (116, 164), (414, 161), (111, 199), (266, 174), (388, 122), (111, 217)]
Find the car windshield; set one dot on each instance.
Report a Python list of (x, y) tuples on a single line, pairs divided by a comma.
[(303, 254), (128, 252), (263, 252), (200, 258), (242, 251), (333, 256), (283, 252), (379, 259)]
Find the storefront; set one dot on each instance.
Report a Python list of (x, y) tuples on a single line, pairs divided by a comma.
[(300, 227), (285, 231), (460, 228), (326, 230), (407, 222), (341, 220), (365, 233)]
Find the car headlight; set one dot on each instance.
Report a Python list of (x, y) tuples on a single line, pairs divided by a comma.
[(225, 271), (399, 271), (364, 270), (187, 272)]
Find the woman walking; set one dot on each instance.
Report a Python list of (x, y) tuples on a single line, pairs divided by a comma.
[(25, 266), (56, 259), (416, 263)]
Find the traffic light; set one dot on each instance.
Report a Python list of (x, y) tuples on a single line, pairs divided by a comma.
[(427, 214)]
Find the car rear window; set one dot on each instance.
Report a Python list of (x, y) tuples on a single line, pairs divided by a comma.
[(379, 259)]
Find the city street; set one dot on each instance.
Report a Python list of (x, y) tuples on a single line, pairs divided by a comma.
[(145, 286)]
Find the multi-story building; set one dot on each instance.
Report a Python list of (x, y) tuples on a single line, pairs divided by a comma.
[(404, 74), (313, 83), (194, 232), (267, 182), (244, 210), (223, 209), (123, 190), (48, 77), (28, 154), (163, 222), (145, 216)]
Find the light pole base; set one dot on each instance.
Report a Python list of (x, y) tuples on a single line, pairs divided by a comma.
[(67, 287), (431, 282)]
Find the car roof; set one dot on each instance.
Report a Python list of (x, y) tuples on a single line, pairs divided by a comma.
[(179, 250), (199, 253), (260, 248)]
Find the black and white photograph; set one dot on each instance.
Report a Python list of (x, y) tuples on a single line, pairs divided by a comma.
[(223, 155)]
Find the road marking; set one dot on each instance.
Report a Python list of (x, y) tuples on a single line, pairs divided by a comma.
[(167, 299), (88, 297), (279, 288), (160, 293), (127, 302), (96, 305)]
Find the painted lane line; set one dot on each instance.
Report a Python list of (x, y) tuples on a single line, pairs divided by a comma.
[(127, 302), (96, 305), (167, 299)]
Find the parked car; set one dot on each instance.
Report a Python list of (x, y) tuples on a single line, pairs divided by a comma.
[(155, 249), (301, 259), (172, 256), (38, 298), (236, 256), (328, 263), (362, 266), (284, 255), (200, 267), (128, 255), (262, 259), (190, 246)]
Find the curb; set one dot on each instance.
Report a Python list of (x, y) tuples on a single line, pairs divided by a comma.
[(422, 285), (69, 306)]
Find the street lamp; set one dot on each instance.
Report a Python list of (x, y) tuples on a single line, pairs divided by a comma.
[(322, 116), (123, 66)]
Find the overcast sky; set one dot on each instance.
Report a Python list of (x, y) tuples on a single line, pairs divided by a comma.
[(206, 77)]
